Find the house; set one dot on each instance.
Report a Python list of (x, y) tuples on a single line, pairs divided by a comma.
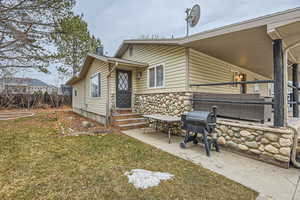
[(163, 76), (16, 85)]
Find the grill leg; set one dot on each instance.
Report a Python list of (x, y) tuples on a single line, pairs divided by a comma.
[(216, 146), (207, 149), (188, 138)]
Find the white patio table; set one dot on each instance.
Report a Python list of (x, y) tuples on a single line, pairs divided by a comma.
[(169, 120)]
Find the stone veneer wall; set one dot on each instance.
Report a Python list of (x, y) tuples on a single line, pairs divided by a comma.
[(272, 145), (173, 104)]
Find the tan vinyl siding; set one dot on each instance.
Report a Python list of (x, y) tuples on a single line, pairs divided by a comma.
[(78, 101), (83, 100), (174, 60), (97, 104), (207, 69)]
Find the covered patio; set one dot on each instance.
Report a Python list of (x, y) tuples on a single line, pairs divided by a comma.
[(268, 46)]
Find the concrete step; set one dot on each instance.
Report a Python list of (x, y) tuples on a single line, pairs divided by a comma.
[(117, 116), (124, 111), (128, 121), (131, 126)]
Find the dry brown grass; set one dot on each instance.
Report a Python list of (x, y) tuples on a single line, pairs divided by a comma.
[(35, 164)]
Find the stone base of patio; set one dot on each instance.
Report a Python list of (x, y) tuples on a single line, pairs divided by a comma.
[(271, 145)]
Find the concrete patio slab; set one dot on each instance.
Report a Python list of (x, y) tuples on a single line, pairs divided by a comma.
[(270, 181)]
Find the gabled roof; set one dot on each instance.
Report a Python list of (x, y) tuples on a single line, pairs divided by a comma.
[(91, 57), (124, 46)]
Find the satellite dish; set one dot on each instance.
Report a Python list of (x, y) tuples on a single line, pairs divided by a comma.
[(192, 17)]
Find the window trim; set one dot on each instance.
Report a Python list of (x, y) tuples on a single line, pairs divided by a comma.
[(155, 83), (75, 92), (100, 87)]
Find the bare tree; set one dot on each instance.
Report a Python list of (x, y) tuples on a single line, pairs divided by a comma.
[(26, 27)]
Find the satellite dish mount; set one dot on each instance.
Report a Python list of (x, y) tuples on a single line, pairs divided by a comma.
[(192, 17)]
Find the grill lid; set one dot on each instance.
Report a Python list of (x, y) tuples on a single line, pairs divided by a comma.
[(201, 116)]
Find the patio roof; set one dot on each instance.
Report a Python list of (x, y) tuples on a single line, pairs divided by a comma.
[(248, 44), (91, 57)]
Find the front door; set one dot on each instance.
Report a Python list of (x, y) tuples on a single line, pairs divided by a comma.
[(124, 89)]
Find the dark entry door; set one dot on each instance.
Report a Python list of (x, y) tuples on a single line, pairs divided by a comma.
[(124, 89)]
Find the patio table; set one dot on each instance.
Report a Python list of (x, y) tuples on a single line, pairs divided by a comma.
[(169, 120)]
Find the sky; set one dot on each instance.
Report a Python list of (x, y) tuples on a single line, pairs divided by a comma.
[(116, 20)]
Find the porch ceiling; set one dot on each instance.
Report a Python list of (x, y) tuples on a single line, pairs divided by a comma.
[(290, 34), (249, 44), (250, 49)]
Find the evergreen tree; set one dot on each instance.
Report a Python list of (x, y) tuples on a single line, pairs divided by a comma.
[(74, 43)]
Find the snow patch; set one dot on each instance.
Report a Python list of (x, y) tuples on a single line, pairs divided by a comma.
[(144, 179)]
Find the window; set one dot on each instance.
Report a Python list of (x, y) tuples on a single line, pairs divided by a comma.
[(75, 93), (256, 87), (95, 85), (156, 77), (152, 77)]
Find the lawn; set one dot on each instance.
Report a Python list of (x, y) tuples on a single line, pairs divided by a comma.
[(37, 162)]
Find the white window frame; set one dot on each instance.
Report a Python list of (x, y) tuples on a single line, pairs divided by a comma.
[(90, 79), (148, 76)]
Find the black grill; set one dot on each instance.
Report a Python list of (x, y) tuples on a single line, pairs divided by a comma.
[(202, 122)]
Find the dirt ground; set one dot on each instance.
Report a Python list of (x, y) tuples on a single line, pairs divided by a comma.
[(66, 121), (70, 123)]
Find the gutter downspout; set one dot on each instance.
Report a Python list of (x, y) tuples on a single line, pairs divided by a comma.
[(108, 111), (295, 143)]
